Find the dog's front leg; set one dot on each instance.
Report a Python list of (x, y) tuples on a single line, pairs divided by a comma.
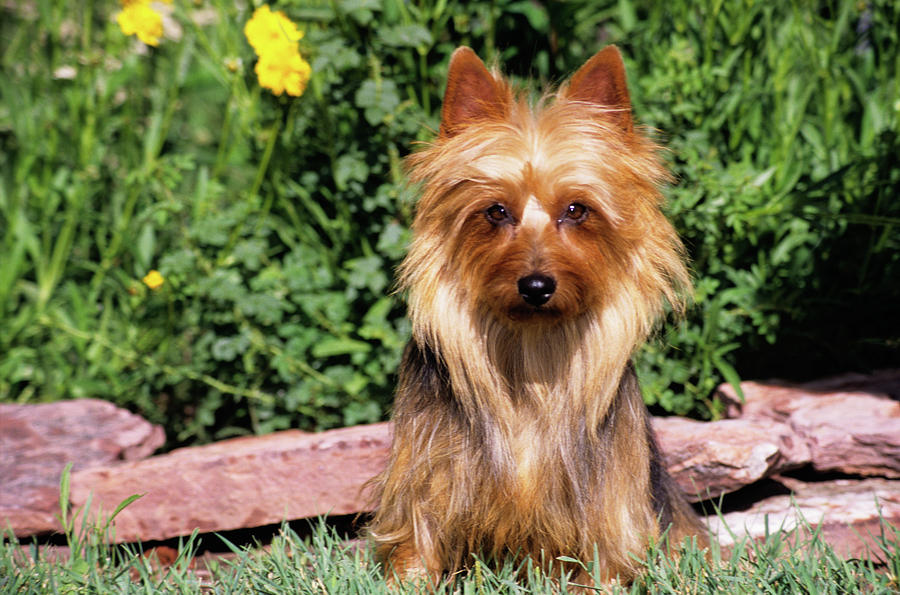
[(405, 564)]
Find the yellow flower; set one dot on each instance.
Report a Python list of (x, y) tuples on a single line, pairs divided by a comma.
[(274, 37), (269, 31), (154, 279), (285, 72), (139, 18)]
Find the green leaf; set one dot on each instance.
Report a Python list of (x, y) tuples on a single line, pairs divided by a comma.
[(122, 505), (367, 271), (339, 346), (394, 240), (361, 11), (264, 308), (536, 14), (360, 413), (64, 491), (379, 99), (250, 253), (379, 311), (729, 373), (145, 247), (349, 168), (228, 348), (412, 36)]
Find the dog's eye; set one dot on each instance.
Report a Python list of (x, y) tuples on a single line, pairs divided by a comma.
[(575, 213), (497, 214)]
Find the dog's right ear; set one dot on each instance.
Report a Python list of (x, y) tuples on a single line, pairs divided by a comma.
[(472, 95)]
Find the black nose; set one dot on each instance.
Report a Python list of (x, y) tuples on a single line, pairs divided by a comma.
[(536, 289)]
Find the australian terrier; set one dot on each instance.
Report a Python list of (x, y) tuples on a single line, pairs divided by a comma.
[(540, 261)]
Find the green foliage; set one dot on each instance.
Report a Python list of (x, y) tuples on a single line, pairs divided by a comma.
[(782, 121), (277, 222)]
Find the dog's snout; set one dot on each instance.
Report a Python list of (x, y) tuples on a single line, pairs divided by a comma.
[(536, 289)]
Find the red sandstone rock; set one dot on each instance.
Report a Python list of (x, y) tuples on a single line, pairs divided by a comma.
[(244, 482), (881, 382), (855, 433), (253, 481), (708, 459), (847, 514), (36, 442)]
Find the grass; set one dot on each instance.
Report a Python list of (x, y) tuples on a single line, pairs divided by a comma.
[(324, 562)]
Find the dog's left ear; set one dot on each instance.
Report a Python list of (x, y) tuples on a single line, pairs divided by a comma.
[(602, 81)]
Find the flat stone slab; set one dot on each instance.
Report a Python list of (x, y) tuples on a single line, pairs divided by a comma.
[(856, 433), (708, 459), (881, 382), (261, 480), (847, 514), (37, 441), (238, 483)]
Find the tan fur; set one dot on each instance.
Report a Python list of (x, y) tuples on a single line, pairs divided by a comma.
[(520, 430)]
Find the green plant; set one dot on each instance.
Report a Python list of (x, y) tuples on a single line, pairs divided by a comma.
[(276, 222), (782, 123)]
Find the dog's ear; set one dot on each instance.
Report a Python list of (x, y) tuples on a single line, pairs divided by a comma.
[(472, 94), (601, 81)]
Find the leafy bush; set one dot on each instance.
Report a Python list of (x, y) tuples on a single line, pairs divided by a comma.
[(783, 124), (276, 222)]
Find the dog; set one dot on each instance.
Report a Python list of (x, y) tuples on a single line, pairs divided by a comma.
[(540, 261)]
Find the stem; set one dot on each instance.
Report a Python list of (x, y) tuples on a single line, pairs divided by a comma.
[(87, 21), (112, 248), (423, 77), (267, 205), (254, 190), (223, 139), (267, 156)]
